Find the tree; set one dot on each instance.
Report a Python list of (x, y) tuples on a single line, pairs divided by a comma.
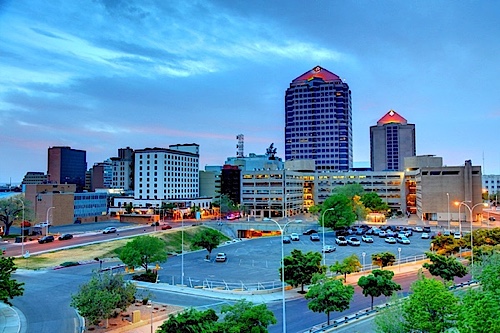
[(445, 267), (479, 311), (487, 271), (191, 321), (11, 210), (342, 214), (430, 308), (9, 288), (300, 268), (101, 296), (378, 283), (349, 190), (447, 245), (383, 259), (208, 239), (390, 319), (245, 317), (142, 251), (372, 201), (225, 205), (329, 295), (349, 265)]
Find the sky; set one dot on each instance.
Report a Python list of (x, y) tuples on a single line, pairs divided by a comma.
[(100, 75)]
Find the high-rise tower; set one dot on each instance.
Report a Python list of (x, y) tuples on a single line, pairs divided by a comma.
[(391, 140), (67, 166), (318, 120)]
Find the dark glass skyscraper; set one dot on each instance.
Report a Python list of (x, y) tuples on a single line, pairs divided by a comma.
[(318, 120), (67, 166)]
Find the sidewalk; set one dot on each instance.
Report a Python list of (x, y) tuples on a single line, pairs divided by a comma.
[(9, 319)]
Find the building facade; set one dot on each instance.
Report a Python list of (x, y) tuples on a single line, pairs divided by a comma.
[(391, 140), (318, 120), (67, 166), (161, 173), (123, 170), (34, 177)]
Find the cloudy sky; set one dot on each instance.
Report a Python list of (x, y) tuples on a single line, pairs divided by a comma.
[(106, 74)]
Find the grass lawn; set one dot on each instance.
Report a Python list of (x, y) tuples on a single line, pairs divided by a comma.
[(107, 249)]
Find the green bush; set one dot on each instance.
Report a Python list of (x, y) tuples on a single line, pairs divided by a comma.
[(69, 264), (146, 277)]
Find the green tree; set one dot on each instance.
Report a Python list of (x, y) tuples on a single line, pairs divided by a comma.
[(383, 259), (349, 190), (246, 317), (300, 268), (445, 267), (9, 288), (378, 283), (329, 295), (208, 239), (390, 319), (11, 210), (142, 251), (487, 271), (430, 308), (342, 214), (191, 321), (128, 208), (447, 245), (479, 311), (349, 265), (372, 201), (101, 296)]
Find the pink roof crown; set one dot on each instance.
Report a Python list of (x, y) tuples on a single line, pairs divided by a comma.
[(391, 117), (317, 72)]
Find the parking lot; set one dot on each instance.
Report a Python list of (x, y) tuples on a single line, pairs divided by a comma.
[(253, 261)]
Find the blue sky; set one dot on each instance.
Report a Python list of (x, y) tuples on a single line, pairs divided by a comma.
[(102, 75)]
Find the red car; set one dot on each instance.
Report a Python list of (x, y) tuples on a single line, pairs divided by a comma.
[(166, 227)]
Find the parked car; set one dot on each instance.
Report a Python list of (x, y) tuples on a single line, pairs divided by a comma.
[(46, 239), (328, 249), (353, 241), (446, 233), (382, 234), (457, 235), (314, 237), (42, 225), (403, 240), (286, 239), (109, 230), (425, 235), (408, 233), (426, 229), (220, 257), (367, 239), (340, 240), (309, 232), (65, 236), (390, 240), (166, 227), (360, 231), (341, 232), (390, 233), (294, 236), (418, 229), (492, 218)]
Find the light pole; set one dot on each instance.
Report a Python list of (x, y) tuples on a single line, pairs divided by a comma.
[(22, 229), (47, 220), (323, 222), (448, 195), (399, 260), (363, 255), (471, 209), (282, 268), (182, 249), (150, 306)]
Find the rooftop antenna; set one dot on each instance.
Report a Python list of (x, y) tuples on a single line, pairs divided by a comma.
[(240, 152)]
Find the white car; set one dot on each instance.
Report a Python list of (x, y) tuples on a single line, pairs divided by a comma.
[(328, 249), (403, 240), (221, 257), (295, 236), (457, 235), (390, 240), (367, 239), (340, 240), (418, 229), (353, 241), (425, 236), (42, 225)]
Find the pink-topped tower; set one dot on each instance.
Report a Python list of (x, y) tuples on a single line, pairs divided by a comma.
[(318, 120)]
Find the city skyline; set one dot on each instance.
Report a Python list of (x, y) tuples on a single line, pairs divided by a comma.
[(105, 75)]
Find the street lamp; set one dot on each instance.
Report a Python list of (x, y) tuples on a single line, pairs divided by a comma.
[(363, 255), (471, 209), (323, 222), (150, 306), (399, 260), (448, 195), (22, 228), (182, 249), (282, 268), (47, 220)]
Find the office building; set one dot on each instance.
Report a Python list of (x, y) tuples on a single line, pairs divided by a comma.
[(318, 120), (123, 170), (67, 166), (391, 140)]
